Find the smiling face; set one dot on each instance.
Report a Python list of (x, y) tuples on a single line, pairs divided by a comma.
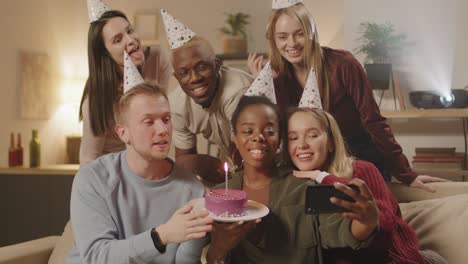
[(290, 39), (257, 136), (146, 127), (308, 142), (196, 69), (118, 36)]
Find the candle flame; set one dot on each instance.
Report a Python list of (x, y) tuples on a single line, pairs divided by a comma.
[(225, 167)]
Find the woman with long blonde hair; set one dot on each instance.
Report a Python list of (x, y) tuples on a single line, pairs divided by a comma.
[(316, 149), (343, 87)]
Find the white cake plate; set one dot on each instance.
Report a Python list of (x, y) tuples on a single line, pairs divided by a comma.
[(254, 211)]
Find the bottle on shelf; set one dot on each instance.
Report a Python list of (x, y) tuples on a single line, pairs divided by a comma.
[(19, 151), (12, 157), (34, 150)]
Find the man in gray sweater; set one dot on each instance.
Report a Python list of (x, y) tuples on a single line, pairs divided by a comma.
[(134, 206)]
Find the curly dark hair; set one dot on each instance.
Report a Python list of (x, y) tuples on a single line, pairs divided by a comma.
[(247, 101)]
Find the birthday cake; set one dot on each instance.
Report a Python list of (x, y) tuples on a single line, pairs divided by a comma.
[(224, 202)]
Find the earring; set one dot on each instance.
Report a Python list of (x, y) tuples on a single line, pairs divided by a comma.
[(238, 167), (280, 148)]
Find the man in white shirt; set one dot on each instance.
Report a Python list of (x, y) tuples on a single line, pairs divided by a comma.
[(203, 103)]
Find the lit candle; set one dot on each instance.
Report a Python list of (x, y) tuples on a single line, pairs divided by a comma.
[(226, 175)]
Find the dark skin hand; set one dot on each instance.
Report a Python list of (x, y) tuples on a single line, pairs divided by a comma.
[(209, 168), (364, 213), (225, 236)]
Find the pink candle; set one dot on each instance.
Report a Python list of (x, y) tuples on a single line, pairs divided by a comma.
[(226, 175)]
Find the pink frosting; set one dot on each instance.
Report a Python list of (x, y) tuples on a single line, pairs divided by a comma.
[(232, 202)]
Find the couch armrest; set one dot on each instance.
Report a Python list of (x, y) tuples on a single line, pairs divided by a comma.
[(405, 194), (31, 252)]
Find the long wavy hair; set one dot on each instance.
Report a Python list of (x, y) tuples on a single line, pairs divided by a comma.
[(313, 54), (339, 162), (105, 75)]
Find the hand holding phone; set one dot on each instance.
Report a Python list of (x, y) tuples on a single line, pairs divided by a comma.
[(318, 199)]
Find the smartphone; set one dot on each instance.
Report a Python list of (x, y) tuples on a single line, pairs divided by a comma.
[(318, 199)]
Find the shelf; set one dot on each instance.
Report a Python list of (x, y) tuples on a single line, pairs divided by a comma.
[(426, 113), (59, 169)]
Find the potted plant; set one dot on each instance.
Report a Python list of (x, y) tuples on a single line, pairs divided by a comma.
[(234, 33), (379, 43)]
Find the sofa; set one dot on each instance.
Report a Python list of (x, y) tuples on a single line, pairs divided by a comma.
[(440, 220)]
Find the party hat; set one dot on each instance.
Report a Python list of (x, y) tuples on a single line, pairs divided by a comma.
[(311, 94), (132, 76), (95, 9), (278, 4), (263, 85), (177, 33), (313, 27)]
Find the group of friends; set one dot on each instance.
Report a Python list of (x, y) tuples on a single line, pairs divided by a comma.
[(305, 117)]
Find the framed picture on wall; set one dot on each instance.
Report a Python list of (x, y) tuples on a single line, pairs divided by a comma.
[(147, 25), (36, 90)]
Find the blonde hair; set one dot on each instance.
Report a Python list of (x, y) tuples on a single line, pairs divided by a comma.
[(149, 88), (196, 41), (313, 55), (339, 162)]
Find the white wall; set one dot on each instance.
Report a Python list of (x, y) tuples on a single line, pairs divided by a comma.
[(460, 76), (437, 30), (55, 27), (329, 16)]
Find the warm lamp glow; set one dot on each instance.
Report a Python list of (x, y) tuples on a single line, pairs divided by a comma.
[(66, 116), (71, 91)]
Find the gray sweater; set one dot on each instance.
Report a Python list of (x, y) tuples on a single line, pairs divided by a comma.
[(113, 211)]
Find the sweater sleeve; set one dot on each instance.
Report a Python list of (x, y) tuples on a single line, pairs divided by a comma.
[(335, 232), (354, 77), (91, 146), (190, 251), (368, 173), (94, 229)]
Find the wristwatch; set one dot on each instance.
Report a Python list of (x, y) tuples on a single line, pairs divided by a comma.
[(157, 241)]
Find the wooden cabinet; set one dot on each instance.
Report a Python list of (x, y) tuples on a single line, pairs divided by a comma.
[(34, 203), (462, 114)]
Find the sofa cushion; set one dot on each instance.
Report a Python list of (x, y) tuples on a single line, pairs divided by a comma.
[(441, 225), (63, 246), (405, 194)]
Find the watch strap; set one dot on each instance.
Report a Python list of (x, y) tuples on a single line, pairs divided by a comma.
[(157, 241)]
